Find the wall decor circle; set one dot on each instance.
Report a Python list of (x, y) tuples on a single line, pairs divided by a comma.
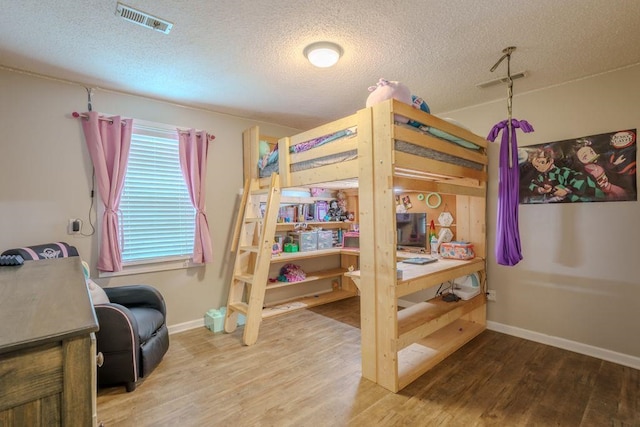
[(433, 204)]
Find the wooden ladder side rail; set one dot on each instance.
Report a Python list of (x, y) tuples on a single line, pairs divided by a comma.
[(239, 218), (263, 262), (255, 281), (243, 261)]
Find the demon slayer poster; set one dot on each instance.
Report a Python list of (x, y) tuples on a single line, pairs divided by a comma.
[(595, 168)]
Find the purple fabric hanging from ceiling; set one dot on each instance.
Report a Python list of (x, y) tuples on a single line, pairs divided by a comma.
[(508, 250)]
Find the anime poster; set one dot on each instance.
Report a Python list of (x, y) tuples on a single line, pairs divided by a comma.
[(596, 168)]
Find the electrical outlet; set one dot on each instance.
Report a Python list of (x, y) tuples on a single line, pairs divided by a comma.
[(491, 295), (74, 226)]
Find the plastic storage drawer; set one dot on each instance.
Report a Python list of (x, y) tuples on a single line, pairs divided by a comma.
[(306, 240), (325, 239)]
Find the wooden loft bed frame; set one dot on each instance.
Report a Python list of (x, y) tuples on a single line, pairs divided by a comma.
[(405, 165), (398, 346)]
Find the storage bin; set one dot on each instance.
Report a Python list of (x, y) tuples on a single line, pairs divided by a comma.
[(325, 239), (214, 319), (457, 250), (306, 240)]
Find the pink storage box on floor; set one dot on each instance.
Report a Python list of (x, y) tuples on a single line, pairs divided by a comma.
[(457, 250)]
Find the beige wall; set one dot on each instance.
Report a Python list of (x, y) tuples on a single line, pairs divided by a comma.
[(45, 176), (579, 280), (580, 277)]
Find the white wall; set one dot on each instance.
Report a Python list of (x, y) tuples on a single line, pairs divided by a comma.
[(45, 179), (579, 282)]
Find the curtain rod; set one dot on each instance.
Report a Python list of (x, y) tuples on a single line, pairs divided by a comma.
[(209, 136), (77, 115)]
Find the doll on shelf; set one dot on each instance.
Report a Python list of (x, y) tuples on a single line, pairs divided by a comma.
[(342, 201), (335, 213)]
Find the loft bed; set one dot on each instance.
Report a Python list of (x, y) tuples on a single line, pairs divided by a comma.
[(378, 155)]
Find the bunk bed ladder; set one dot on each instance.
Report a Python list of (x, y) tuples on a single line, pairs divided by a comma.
[(253, 259)]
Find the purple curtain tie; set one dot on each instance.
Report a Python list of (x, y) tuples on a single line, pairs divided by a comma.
[(508, 249)]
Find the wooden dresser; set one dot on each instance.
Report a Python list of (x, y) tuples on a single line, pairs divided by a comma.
[(47, 345)]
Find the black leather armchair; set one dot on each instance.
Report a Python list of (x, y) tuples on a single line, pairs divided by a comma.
[(133, 335)]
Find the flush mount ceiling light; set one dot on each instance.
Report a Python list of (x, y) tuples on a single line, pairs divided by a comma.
[(323, 54)]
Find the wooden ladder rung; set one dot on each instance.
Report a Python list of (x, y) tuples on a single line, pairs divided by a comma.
[(250, 248), (253, 220), (240, 307), (247, 278), (260, 192)]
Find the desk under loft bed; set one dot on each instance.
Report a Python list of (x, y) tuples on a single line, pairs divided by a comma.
[(371, 151)]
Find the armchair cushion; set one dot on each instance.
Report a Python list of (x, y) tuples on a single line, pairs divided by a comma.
[(149, 321)]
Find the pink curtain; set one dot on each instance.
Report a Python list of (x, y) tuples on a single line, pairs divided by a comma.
[(193, 161), (109, 141)]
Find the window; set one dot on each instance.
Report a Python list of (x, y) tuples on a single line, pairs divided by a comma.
[(157, 219)]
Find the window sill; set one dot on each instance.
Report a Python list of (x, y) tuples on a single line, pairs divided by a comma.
[(150, 267)]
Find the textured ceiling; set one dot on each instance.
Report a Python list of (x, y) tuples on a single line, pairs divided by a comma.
[(245, 57)]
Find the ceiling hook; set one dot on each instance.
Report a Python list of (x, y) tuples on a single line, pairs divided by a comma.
[(89, 95), (507, 53)]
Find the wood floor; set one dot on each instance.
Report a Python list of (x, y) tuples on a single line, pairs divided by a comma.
[(305, 371)]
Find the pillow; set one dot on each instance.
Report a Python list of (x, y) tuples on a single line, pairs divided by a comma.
[(98, 295)]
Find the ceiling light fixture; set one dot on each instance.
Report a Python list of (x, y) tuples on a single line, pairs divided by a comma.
[(323, 54)]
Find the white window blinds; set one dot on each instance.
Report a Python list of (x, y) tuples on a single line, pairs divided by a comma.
[(156, 214)]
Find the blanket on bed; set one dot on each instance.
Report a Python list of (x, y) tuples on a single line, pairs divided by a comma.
[(268, 163), (272, 157)]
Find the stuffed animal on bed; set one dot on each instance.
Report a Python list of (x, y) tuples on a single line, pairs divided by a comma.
[(386, 89), (419, 104), (263, 148)]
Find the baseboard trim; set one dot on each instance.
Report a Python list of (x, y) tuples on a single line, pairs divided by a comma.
[(588, 350), (186, 326)]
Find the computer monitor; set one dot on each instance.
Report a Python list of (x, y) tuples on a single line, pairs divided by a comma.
[(411, 230)]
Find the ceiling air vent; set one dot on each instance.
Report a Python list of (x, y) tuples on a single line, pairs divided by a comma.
[(141, 18), (501, 80)]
